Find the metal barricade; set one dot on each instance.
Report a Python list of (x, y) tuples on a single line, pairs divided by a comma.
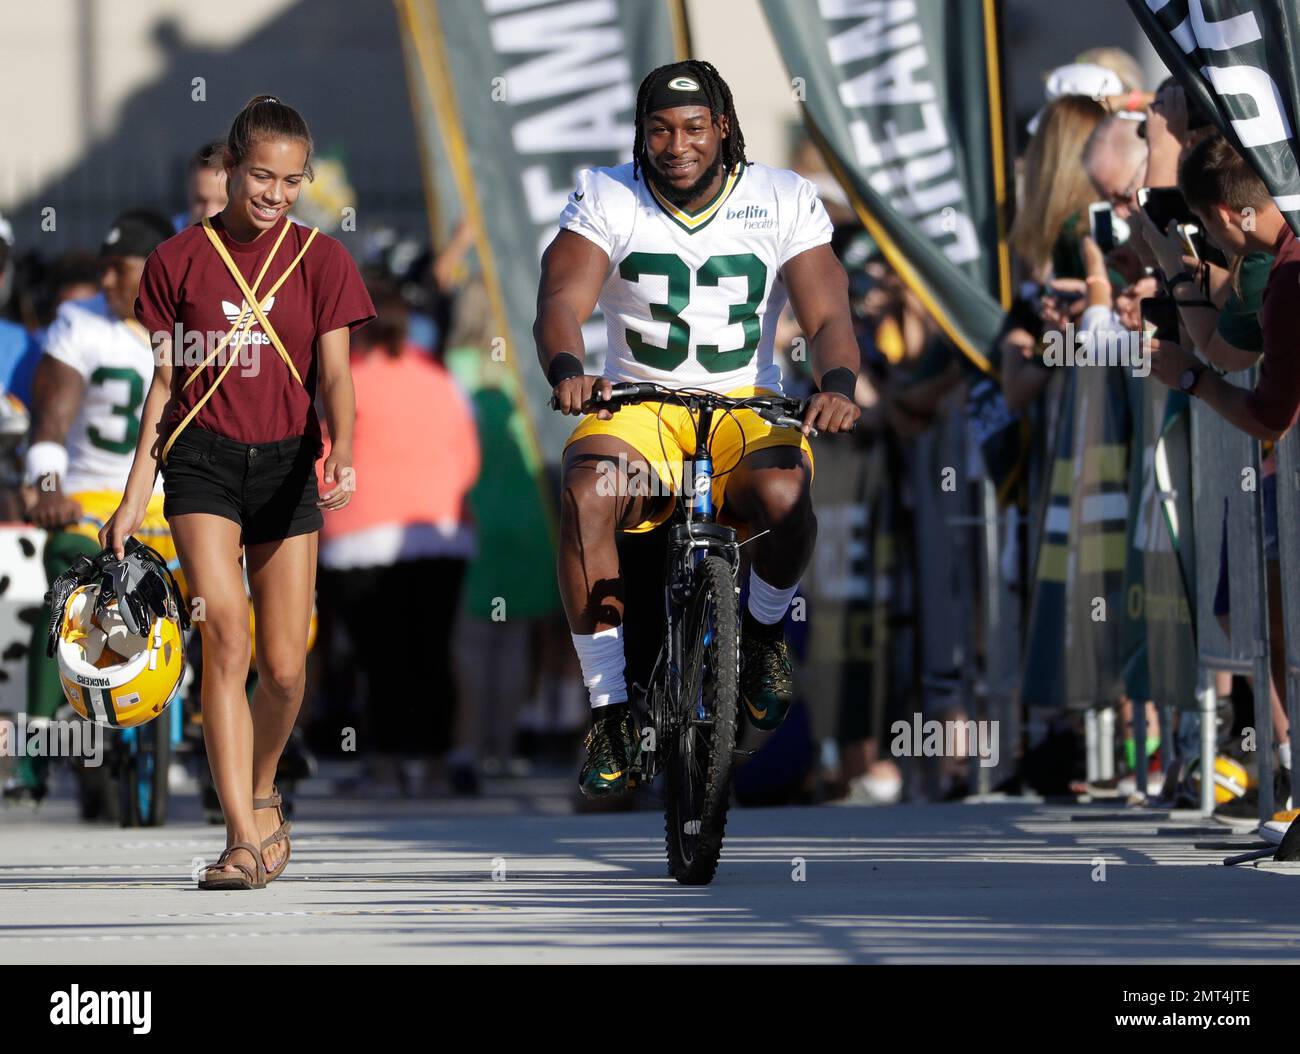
[(1226, 476)]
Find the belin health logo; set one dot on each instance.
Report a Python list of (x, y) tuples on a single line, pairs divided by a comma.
[(755, 217)]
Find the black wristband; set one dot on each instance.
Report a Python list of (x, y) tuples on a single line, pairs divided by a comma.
[(1175, 280), (562, 367), (841, 381)]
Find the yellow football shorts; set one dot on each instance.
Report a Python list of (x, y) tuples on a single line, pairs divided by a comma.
[(98, 505), (662, 433)]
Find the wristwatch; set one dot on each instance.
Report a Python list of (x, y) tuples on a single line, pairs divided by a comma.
[(1190, 377)]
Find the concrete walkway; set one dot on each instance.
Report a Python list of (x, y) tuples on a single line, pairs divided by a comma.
[(376, 881)]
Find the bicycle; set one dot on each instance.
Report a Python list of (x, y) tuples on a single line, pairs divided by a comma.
[(689, 707), (130, 787)]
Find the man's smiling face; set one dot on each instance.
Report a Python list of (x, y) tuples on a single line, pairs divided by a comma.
[(683, 146)]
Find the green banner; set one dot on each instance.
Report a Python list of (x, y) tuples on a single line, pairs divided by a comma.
[(905, 102), (1099, 502), (1238, 60), (1075, 651), (526, 93)]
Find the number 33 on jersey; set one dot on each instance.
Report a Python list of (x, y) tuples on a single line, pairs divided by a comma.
[(691, 299)]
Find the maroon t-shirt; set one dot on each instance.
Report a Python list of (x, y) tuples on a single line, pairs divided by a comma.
[(186, 284), (1275, 402)]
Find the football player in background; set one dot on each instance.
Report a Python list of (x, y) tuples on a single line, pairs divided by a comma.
[(86, 397)]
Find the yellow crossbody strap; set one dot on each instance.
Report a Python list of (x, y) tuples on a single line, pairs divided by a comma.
[(196, 408), (249, 296), (246, 317), (243, 323)]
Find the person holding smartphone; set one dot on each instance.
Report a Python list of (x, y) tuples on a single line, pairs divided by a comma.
[(238, 450), (1240, 217)]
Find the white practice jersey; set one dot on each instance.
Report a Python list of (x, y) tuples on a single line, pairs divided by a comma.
[(691, 300), (116, 363)]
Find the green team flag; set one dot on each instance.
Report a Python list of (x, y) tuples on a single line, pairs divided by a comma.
[(526, 93), (1074, 655), (1098, 517), (905, 102), (1238, 60)]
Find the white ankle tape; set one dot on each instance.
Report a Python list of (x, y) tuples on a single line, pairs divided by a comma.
[(601, 657), (767, 603)]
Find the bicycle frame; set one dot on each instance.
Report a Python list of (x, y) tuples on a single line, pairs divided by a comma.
[(695, 534)]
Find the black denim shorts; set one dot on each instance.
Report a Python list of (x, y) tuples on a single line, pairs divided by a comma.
[(269, 489)]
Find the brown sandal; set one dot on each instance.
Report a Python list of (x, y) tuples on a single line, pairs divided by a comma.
[(249, 878), (281, 833)]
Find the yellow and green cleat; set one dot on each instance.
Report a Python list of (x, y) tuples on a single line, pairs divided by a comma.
[(766, 684), (611, 746)]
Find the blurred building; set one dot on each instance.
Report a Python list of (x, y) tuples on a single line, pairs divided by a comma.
[(103, 101)]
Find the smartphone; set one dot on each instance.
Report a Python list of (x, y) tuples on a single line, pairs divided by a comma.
[(1063, 296), (1165, 205), (1101, 223), (1188, 234), (1160, 318), (1036, 294)]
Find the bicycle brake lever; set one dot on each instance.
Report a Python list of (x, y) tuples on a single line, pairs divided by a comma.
[(794, 422), (596, 404)]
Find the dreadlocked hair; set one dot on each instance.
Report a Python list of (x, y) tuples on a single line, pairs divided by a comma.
[(732, 147)]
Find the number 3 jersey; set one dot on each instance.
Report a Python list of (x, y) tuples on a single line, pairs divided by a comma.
[(116, 363), (692, 299)]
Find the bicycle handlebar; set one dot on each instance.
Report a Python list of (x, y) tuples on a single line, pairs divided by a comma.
[(778, 410)]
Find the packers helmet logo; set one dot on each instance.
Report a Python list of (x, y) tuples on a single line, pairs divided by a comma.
[(683, 84)]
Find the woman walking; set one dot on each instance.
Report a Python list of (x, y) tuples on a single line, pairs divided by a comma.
[(249, 313)]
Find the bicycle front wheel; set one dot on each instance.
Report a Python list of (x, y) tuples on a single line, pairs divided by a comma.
[(702, 738)]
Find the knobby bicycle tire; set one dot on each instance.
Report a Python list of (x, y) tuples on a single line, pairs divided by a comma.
[(701, 756)]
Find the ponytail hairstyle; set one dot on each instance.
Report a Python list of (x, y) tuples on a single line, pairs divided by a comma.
[(266, 117)]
